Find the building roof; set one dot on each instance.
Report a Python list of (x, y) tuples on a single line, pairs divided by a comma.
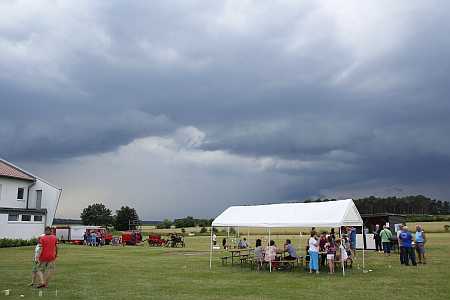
[(376, 215), (9, 170), (321, 214)]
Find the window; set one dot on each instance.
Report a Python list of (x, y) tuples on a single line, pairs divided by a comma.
[(38, 198), (13, 217), (37, 218), (20, 192), (26, 218)]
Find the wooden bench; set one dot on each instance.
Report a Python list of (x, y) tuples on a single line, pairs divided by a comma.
[(225, 259)]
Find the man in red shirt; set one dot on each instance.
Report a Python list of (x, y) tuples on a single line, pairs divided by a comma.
[(47, 257)]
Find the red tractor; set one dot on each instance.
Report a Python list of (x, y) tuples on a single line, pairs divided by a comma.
[(156, 241), (131, 237)]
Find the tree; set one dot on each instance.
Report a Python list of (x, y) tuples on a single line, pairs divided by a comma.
[(166, 224), (124, 217), (96, 214), (189, 221)]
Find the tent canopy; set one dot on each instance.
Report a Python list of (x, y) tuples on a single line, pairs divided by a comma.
[(320, 214)]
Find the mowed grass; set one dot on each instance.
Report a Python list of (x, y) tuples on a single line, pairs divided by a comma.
[(142, 272)]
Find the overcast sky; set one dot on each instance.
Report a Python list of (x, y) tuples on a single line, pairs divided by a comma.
[(187, 107)]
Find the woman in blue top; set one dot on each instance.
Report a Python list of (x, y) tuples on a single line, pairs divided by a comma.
[(420, 244)]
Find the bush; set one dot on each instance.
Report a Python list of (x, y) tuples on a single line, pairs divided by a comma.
[(203, 230), (8, 243), (446, 228)]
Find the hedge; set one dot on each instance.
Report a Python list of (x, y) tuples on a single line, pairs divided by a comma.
[(7, 243)]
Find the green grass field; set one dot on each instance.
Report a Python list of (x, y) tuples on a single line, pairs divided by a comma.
[(142, 272)]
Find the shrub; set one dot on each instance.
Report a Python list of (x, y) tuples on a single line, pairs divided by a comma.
[(446, 227), (8, 243), (203, 230)]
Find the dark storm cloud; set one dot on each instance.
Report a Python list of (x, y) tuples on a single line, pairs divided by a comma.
[(358, 92)]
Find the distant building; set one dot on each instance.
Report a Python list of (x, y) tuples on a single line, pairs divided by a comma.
[(27, 203)]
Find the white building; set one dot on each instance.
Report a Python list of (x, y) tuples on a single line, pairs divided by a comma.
[(27, 203)]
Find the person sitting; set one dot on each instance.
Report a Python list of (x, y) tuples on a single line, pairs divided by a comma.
[(243, 244), (292, 254), (271, 254)]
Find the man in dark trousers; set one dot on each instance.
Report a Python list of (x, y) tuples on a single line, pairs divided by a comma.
[(406, 239), (47, 257)]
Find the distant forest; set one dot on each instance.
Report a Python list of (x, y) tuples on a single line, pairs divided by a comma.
[(409, 205)]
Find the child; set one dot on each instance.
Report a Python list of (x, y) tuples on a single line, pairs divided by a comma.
[(34, 268), (343, 256), (330, 248)]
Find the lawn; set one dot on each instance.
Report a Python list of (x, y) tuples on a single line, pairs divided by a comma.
[(160, 273)]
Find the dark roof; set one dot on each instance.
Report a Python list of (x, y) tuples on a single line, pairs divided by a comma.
[(9, 170), (381, 215), (42, 211)]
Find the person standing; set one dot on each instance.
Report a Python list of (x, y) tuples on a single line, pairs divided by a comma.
[(323, 255), (386, 235), (214, 239), (406, 239), (377, 238), (47, 257), (330, 248), (400, 245), (313, 251), (420, 244)]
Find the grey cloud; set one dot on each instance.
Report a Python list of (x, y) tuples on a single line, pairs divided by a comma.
[(358, 92)]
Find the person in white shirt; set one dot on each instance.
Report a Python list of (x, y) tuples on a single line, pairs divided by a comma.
[(214, 239), (313, 253)]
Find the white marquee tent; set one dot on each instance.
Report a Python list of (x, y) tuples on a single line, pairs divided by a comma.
[(315, 214)]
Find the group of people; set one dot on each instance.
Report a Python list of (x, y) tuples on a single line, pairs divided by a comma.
[(93, 238), (406, 241), (271, 254), (45, 254), (330, 249)]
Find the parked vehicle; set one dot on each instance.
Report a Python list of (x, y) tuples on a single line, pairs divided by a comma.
[(131, 237), (156, 240), (75, 233)]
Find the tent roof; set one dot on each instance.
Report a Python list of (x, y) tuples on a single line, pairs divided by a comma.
[(320, 214)]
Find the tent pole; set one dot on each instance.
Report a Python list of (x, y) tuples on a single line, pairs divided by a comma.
[(210, 249), (238, 235), (270, 259), (342, 261), (364, 246), (228, 237)]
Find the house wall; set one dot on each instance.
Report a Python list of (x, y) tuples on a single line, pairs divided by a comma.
[(8, 199), (8, 192), (50, 195), (20, 230)]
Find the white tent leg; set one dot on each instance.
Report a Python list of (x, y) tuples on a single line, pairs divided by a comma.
[(342, 261), (364, 239), (238, 234), (210, 249), (270, 259), (228, 237)]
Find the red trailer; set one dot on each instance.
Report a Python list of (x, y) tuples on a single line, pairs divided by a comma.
[(131, 237), (156, 240)]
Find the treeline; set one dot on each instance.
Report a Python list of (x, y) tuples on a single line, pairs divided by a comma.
[(188, 221), (98, 214), (408, 205)]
